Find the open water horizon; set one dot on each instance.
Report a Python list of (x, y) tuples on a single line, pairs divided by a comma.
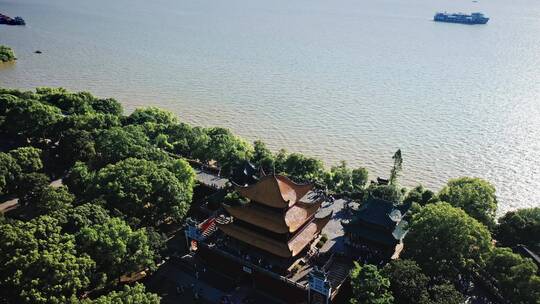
[(337, 80)]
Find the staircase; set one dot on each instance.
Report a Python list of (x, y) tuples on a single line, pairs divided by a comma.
[(208, 227), (338, 270)]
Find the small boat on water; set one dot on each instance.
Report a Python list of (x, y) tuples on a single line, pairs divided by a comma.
[(4, 19), (474, 18)]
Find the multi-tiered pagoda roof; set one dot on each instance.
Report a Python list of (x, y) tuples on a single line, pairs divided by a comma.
[(279, 218)]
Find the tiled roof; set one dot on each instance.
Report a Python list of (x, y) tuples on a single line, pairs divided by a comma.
[(276, 191)]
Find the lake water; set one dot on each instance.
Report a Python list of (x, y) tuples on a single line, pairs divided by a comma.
[(341, 79)]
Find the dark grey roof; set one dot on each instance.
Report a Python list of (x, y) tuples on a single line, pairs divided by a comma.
[(381, 213)]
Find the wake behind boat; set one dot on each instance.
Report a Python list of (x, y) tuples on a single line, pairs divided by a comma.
[(474, 18)]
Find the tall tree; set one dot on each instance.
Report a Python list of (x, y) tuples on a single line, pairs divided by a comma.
[(520, 227), (10, 173), (407, 282), (474, 195), (116, 248), (516, 276), (396, 169), (152, 115), (369, 286), (445, 241), (40, 264), (28, 158), (145, 192), (129, 295), (262, 157)]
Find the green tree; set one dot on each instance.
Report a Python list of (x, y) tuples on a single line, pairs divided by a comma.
[(152, 115), (40, 264), (369, 286), (31, 186), (444, 241), (226, 148), (6, 54), (162, 141), (68, 102), (129, 295), (397, 168), (445, 293), (419, 195), (79, 179), (30, 119), (408, 283), (386, 192), (262, 157), (72, 220), (28, 158), (360, 177), (340, 178), (190, 142), (107, 106), (52, 199), (474, 195), (10, 173), (516, 276), (144, 192), (520, 227), (75, 145), (116, 248), (119, 143), (92, 122), (302, 168)]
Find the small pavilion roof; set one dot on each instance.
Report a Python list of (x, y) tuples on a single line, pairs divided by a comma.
[(275, 191)]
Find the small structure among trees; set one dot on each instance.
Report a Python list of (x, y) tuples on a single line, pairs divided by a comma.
[(377, 228)]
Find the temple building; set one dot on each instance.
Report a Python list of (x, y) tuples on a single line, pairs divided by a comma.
[(279, 217), (267, 235), (377, 228)]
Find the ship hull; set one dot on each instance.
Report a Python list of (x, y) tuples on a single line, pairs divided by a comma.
[(470, 22)]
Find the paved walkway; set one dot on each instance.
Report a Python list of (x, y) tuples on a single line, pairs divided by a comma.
[(210, 179), (334, 230)]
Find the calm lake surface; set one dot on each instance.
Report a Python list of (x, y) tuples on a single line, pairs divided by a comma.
[(341, 79)]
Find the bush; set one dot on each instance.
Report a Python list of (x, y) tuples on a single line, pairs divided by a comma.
[(6, 54)]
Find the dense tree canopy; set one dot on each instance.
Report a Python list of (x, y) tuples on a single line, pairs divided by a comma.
[(263, 157), (28, 159), (51, 199), (390, 193), (369, 286), (419, 195), (516, 276), (119, 143), (129, 295), (145, 192), (474, 195), (10, 173), (226, 148), (407, 282), (152, 115), (40, 264), (409, 285), (74, 219), (116, 248), (444, 240), (520, 227), (31, 119)]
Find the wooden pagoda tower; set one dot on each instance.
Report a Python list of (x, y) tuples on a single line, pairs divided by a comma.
[(279, 217)]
